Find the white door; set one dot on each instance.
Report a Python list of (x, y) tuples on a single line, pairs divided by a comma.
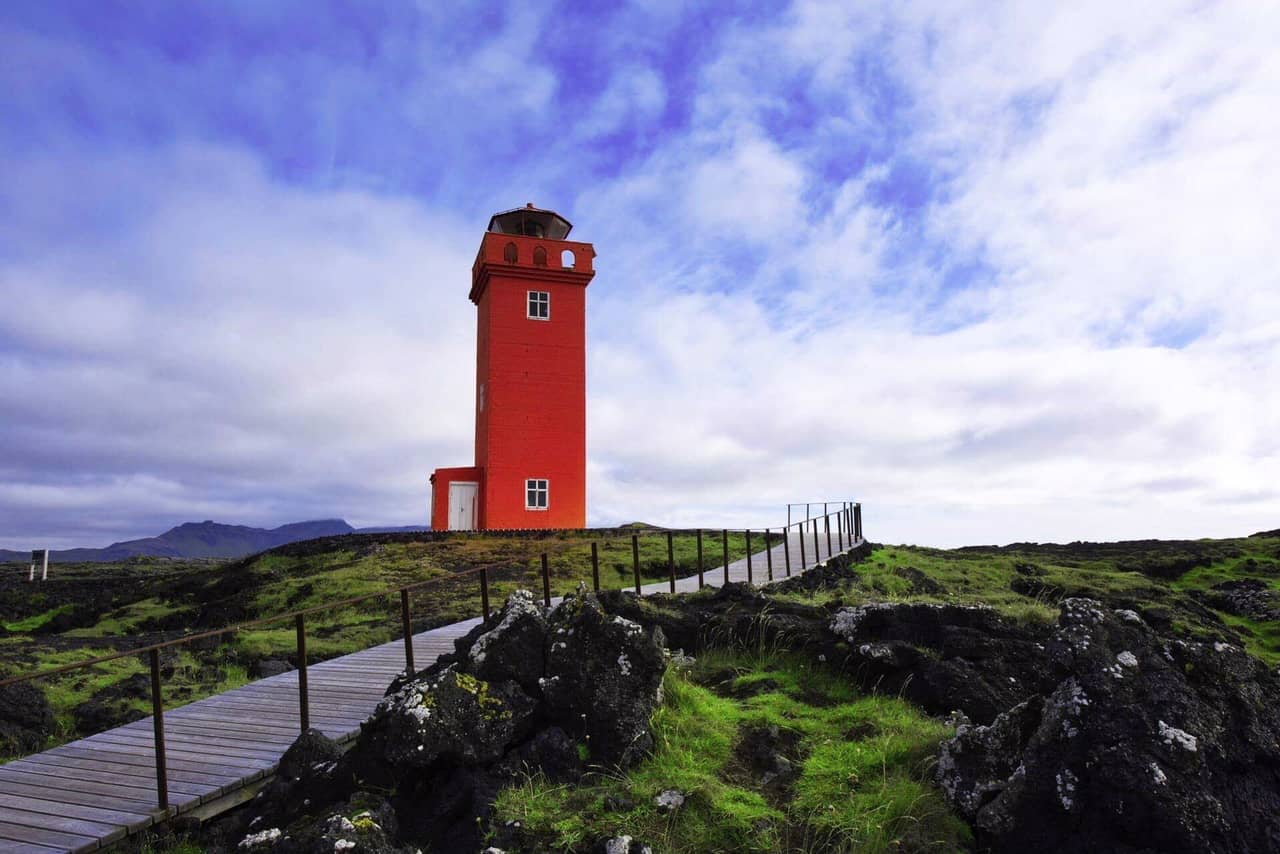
[(462, 506)]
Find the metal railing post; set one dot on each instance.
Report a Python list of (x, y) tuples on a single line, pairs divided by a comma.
[(671, 560), (750, 575), (157, 726), (595, 568), (635, 560), (840, 529), (408, 632), (304, 709), (857, 518), (786, 548), (701, 582), (826, 523), (724, 542), (546, 581), (817, 553), (484, 591), (800, 530), (768, 554)]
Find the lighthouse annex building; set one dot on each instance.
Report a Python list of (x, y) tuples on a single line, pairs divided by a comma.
[(529, 285)]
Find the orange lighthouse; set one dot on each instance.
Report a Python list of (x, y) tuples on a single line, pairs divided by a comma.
[(529, 285)]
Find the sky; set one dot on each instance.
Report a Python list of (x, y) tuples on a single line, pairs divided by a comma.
[(1000, 271)]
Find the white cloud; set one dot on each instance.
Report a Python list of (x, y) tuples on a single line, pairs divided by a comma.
[(1073, 335)]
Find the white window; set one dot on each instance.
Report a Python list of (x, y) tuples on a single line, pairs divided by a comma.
[(539, 305), (537, 494)]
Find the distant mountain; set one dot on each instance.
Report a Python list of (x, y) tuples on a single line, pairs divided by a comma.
[(206, 539)]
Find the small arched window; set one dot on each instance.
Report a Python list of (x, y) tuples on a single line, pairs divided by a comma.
[(539, 256), (509, 253), (568, 260)]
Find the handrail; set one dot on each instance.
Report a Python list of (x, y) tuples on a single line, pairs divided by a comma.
[(848, 528)]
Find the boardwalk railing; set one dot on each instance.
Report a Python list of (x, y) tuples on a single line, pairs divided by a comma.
[(839, 529)]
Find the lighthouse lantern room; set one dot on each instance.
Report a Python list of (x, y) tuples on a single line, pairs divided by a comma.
[(529, 285)]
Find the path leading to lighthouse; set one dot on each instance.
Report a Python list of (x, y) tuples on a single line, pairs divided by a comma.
[(95, 791)]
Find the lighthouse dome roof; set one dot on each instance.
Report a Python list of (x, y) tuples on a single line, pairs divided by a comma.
[(531, 222)]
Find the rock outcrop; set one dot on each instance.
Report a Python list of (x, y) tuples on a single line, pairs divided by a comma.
[(26, 719), (1142, 744), (530, 690)]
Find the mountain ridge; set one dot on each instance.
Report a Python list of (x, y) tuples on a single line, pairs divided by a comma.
[(207, 539)]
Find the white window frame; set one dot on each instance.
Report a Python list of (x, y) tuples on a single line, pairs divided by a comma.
[(531, 484), (538, 298)]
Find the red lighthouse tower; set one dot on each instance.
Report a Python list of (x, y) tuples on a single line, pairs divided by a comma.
[(529, 285)]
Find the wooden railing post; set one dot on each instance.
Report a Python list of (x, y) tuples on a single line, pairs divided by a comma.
[(157, 726), (635, 560), (304, 709), (857, 519), (595, 568), (724, 542), (750, 575), (484, 591), (671, 560), (407, 625), (546, 581), (768, 553), (840, 529), (701, 582)]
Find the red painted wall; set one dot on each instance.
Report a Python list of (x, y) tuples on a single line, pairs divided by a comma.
[(534, 374), (440, 481)]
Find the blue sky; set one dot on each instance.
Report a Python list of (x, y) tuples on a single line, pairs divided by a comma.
[(1002, 272)]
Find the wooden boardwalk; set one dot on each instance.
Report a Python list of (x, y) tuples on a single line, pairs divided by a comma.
[(90, 793)]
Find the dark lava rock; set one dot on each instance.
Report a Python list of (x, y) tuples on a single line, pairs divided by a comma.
[(1245, 597), (769, 757), (920, 583), (26, 719), (606, 672), (518, 696), (453, 717), (1141, 745), (347, 828), (113, 706), (270, 667), (943, 657)]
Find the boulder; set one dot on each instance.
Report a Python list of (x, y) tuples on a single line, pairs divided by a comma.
[(26, 719), (943, 657), (1141, 745), (604, 679), (453, 717), (513, 649)]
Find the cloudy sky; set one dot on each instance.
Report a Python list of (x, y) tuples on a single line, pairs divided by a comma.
[(1000, 272)]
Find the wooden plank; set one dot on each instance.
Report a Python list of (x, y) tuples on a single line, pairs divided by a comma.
[(132, 775), (247, 732), (127, 787), (138, 806), (95, 829), (39, 836), (73, 756), (191, 749), (287, 699), (14, 847), (114, 751)]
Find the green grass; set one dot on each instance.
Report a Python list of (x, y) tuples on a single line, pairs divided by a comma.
[(988, 576), (36, 621), (862, 784)]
